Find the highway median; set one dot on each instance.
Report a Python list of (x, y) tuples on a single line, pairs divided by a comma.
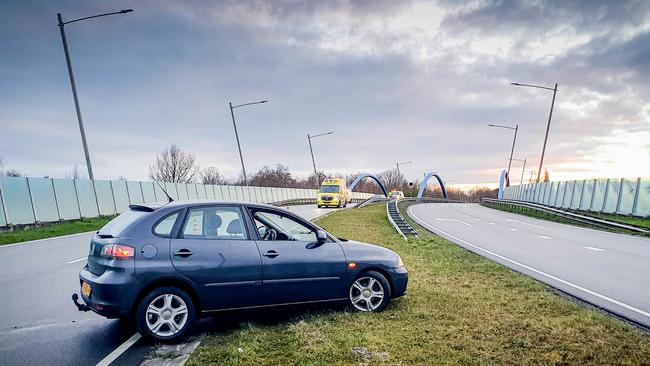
[(460, 309)]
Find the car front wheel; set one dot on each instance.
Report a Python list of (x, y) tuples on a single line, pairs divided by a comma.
[(370, 292), (165, 314)]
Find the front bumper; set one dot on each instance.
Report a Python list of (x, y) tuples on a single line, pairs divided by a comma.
[(332, 202), (400, 278), (112, 293)]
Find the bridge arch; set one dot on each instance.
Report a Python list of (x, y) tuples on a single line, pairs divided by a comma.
[(426, 179), (504, 181), (367, 175)]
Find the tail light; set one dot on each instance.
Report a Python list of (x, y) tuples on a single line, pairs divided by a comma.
[(117, 251)]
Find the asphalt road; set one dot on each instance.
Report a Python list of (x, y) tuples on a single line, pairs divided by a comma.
[(41, 326), (611, 271)]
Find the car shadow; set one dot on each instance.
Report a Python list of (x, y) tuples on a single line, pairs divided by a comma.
[(231, 320)]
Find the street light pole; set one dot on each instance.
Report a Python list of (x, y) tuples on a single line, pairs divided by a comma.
[(403, 163), (313, 161), (61, 25), (514, 140), (234, 124), (548, 125)]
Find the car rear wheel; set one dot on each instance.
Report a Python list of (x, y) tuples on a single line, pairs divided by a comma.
[(370, 292), (165, 314)]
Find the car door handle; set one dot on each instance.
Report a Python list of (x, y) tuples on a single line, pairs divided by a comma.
[(271, 254), (183, 253)]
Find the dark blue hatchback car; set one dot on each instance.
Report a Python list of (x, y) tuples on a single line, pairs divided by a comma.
[(165, 265)]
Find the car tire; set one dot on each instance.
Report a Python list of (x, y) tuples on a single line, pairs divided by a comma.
[(319, 206), (165, 315), (369, 292)]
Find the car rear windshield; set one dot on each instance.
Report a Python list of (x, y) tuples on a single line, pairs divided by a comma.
[(329, 189), (115, 227)]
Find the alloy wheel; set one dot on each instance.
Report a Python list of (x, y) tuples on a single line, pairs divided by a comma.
[(366, 294), (166, 315)]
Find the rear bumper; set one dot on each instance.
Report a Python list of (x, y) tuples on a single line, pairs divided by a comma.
[(400, 279), (111, 294)]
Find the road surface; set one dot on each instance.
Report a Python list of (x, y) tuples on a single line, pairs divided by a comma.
[(609, 270), (41, 326)]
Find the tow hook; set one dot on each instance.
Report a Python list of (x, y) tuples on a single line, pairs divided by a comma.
[(80, 306)]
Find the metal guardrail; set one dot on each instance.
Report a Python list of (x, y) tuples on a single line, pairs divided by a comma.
[(569, 215), (371, 201), (397, 220), (307, 201)]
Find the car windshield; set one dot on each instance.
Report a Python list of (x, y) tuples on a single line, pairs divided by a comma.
[(329, 189), (118, 224)]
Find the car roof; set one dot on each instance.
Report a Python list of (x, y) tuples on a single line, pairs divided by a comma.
[(187, 203)]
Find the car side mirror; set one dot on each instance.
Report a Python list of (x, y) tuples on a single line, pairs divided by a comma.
[(321, 236)]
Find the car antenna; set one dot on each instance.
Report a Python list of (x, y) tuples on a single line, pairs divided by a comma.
[(166, 194)]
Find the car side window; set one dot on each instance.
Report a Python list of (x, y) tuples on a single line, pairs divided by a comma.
[(164, 227), (286, 227), (214, 223)]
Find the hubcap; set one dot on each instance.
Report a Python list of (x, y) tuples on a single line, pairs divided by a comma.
[(166, 315), (366, 294)]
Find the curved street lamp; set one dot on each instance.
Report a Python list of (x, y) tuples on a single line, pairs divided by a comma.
[(512, 151), (548, 125), (71, 75), (232, 113), (309, 137)]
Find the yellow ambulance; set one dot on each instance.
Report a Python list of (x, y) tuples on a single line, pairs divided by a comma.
[(333, 192)]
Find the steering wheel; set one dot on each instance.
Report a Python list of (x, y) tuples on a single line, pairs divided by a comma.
[(270, 234)]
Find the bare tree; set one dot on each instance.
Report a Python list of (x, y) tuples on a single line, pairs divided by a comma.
[(393, 180), (273, 177), (173, 165), (13, 173), (212, 175)]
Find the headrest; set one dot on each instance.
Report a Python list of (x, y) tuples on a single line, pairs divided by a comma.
[(234, 227)]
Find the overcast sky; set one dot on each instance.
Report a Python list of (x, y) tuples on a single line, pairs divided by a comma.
[(395, 81)]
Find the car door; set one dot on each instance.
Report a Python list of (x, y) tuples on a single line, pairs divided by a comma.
[(295, 267), (215, 251)]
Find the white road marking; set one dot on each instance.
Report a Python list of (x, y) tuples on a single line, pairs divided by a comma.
[(77, 260), (492, 223), (595, 249), (525, 223), (455, 220), (565, 282), (543, 237), (119, 350), (513, 229), (477, 219)]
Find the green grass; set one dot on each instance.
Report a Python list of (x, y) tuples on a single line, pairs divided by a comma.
[(461, 309), (65, 228), (549, 217), (642, 222)]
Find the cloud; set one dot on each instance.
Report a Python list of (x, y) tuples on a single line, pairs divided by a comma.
[(394, 80)]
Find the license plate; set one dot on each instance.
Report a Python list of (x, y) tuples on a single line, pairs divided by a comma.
[(85, 289)]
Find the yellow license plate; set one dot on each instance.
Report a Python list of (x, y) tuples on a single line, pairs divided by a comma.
[(85, 289)]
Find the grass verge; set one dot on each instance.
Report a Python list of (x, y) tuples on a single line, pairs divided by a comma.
[(65, 228), (563, 220), (461, 309)]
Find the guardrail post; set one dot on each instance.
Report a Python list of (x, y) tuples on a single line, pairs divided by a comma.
[(31, 199), (620, 196), (602, 209), (593, 195), (2, 203), (582, 193), (636, 195)]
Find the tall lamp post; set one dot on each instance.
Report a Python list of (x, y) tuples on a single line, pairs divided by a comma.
[(72, 82), (548, 125), (232, 113), (311, 150), (514, 140), (521, 181), (402, 163)]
